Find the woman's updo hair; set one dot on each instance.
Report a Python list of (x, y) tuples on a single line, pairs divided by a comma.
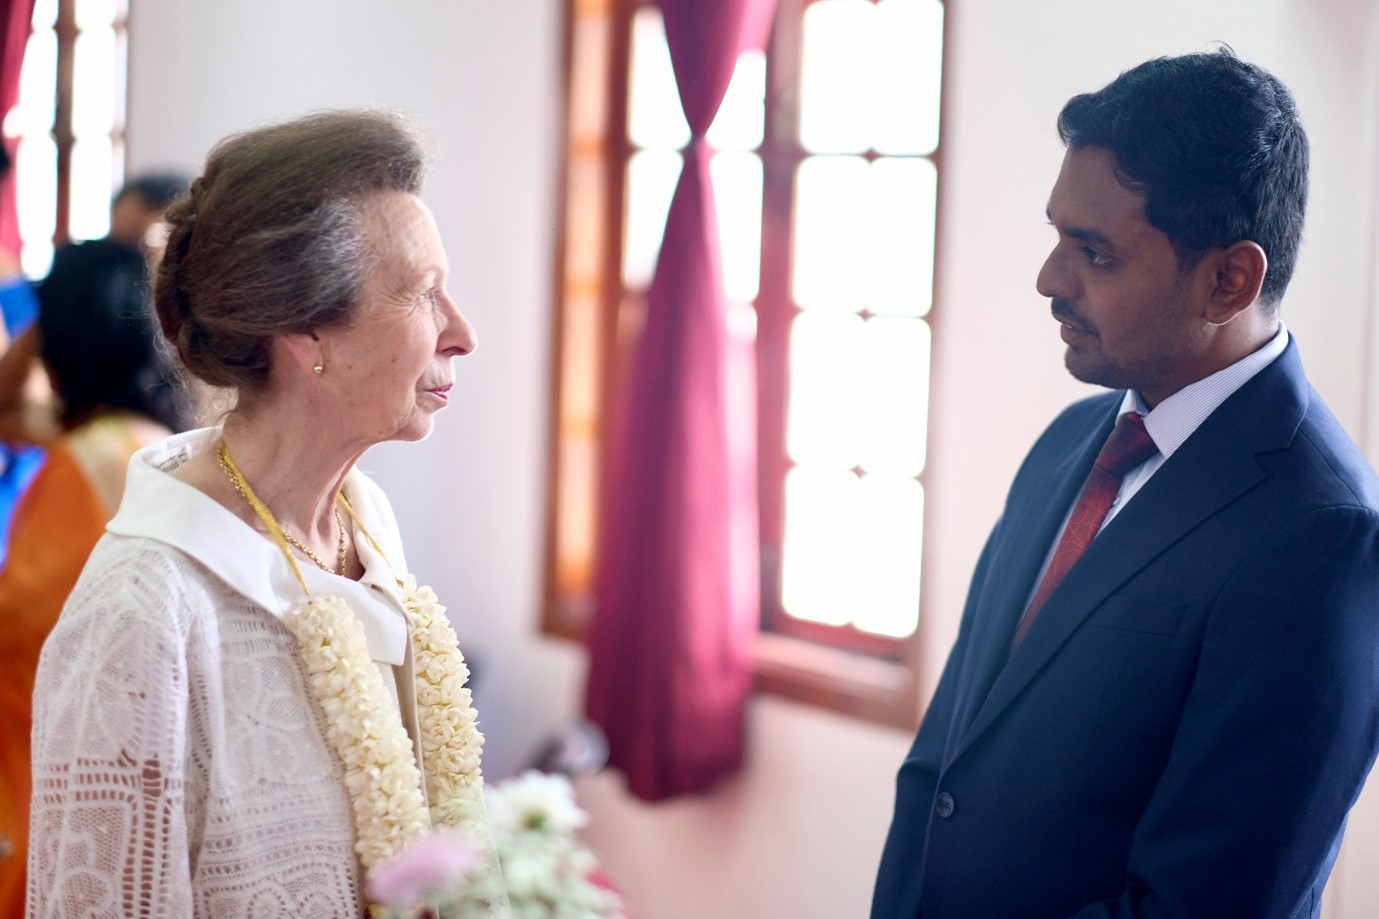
[(271, 239)]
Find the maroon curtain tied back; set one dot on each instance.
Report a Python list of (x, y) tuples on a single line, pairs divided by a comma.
[(677, 589)]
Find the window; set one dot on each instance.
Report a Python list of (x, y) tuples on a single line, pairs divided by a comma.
[(68, 127), (825, 180)]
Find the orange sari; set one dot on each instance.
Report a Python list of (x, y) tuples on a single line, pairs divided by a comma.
[(57, 522)]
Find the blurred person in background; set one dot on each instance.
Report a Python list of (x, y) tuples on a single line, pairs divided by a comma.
[(136, 224), (114, 394), (136, 215), (17, 300), (19, 306)]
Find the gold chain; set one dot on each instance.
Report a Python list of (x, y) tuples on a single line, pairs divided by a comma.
[(224, 455)]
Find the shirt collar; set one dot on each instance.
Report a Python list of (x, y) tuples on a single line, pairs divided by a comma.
[(163, 508), (1172, 421)]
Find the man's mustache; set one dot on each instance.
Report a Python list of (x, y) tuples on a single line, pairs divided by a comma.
[(1063, 312)]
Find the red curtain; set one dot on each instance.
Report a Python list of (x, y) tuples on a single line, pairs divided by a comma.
[(16, 17), (677, 591)]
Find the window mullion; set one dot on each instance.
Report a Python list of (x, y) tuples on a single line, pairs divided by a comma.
[(780, 155), (63, 135)]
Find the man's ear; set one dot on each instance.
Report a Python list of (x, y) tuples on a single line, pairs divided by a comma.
[(1237, 275)]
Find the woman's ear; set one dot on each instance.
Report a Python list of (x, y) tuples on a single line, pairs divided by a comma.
[(304, 351), (1238, 272)]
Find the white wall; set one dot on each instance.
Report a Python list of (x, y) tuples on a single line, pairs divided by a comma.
[(799, 833)]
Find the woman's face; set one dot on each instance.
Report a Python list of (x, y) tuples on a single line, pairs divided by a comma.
[(389, 367)]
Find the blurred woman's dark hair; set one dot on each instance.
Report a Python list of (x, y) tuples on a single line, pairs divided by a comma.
[(98, 339)]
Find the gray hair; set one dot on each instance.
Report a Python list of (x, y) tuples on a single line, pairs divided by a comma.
[(271, 239)]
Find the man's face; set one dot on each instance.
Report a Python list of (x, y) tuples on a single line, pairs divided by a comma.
[(131, 216), (1130, 318)]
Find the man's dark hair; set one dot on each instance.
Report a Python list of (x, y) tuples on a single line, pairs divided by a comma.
[(157, 189), (1215, 146)]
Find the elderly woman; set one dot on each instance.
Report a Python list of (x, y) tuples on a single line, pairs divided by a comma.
[(248, 702)]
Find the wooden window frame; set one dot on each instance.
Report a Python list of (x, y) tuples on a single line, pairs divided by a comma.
[(61, 131), (842, 669)]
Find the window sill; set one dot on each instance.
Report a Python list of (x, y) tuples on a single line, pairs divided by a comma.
[(851, 684), (882, 692)]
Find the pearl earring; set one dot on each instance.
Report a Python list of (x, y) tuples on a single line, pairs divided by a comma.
[(319, 369)]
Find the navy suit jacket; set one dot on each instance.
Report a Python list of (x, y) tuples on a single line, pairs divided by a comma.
[(1195, 709)]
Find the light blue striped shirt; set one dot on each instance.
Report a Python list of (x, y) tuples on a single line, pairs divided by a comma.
[(1173, 420)]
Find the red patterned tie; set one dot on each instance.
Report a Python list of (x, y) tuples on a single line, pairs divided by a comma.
[(1128, 446)]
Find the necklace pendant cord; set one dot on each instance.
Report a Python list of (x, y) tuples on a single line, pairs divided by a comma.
[(340, 551), (275, 530)]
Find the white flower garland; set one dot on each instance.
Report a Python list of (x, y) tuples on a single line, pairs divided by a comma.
[(365, 730), (451, 745), (364, 727)]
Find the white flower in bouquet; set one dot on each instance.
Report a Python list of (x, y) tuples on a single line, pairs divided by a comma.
[(534, 802), (547, 872), (550, 873)]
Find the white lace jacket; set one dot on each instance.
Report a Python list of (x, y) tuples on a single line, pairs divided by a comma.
[(180, 767)]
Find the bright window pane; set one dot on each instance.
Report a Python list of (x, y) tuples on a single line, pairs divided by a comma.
[(117, 171), (741, 118), (37, 88), (889, 529), (36, 200), (836, 77), (737, 197), (826, 350), (818, 563), (45, 14), (587, 99), (36, 258), (833, 235), (575, 541), (894, 406), (655, 119), (900, 251), (870, 76), (93, 76), (864, 234), (92, 186), (95, 13), (852, 550), (908, 55), (585, 187), (119, 76), (651, 178)]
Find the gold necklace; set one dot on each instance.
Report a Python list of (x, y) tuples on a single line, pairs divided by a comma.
[(227, 464), (364, 725)]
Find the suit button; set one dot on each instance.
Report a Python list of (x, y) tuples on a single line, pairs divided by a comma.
[(943, 805)]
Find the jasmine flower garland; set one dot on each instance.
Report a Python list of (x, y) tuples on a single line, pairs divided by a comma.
[(364, 727), (451, 744)]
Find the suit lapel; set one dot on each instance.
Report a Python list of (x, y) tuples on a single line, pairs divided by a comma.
[(1036, 509), (1209, 471)]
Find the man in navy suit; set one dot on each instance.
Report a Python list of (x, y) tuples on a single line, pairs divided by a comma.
[(1178, 723)]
